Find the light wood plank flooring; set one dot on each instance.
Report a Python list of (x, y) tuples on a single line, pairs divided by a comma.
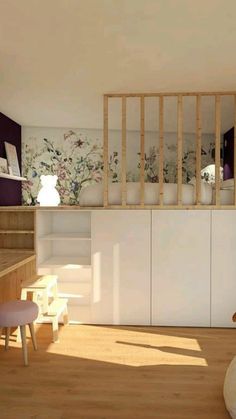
[(104, 372)]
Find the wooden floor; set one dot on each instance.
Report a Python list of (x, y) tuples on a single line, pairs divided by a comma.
[(118, 372)]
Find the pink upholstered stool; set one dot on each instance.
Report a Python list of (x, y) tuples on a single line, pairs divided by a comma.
[(19, 313)]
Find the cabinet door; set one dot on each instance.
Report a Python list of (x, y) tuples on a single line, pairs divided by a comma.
[(181, 268), (121, 266), (223, 286)]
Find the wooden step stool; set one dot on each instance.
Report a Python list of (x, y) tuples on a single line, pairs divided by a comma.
[(57, 308), (41, 285), (50, 311)]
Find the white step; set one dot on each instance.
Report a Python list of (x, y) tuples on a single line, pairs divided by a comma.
[(40, 283), (57, 307)]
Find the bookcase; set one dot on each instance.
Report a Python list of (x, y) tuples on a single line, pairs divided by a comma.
[(64, 249)]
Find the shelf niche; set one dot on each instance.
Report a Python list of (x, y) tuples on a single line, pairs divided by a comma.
[(63, 238), (17, 230)]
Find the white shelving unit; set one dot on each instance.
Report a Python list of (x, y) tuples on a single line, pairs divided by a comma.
[(64, 249), (66, 262), (12, 177), (66, 236)]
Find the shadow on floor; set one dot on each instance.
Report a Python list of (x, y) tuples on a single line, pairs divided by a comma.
[(117, 372)]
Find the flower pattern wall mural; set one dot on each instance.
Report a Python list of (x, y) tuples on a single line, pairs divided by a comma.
[(77, 162), (76, 157)]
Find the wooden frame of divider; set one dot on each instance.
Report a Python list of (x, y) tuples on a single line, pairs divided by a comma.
[(160, 96)]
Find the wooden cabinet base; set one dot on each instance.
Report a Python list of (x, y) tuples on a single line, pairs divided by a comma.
[(13, 273)]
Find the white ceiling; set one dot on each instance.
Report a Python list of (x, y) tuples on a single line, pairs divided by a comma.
[(58, 57)]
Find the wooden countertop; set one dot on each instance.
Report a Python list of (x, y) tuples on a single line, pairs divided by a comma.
[(11, 260), (115, 207), (39, 208), (25, 208)]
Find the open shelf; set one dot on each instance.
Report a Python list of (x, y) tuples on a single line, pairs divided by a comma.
[(16, 231), (12, 177), (66, 262), (16, 251), (66, 236)]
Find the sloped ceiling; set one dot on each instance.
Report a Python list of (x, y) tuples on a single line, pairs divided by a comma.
[(58, 57)]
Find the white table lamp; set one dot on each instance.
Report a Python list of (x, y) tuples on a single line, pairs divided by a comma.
[(48, 195)]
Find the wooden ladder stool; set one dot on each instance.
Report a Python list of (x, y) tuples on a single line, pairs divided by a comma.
[(41, 285), (50, 312), (56, 309)]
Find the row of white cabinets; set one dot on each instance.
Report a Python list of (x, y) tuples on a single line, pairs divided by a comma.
[(163, 267)]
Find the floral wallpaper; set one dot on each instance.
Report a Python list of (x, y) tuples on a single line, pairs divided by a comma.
[(76, 157)]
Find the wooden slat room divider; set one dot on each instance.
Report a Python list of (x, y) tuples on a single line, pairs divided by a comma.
[(180, 118)]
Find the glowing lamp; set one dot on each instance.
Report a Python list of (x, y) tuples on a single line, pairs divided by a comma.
[(48, 195)]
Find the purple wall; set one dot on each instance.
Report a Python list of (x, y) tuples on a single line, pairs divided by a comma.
[(10, 190), (228, 154)]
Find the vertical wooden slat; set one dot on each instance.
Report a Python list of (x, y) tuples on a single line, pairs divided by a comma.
[(198, 148), (105, 152), (234, 149), (161, 149), (179, 150), (217, 148), (123, 169), (142, 150)]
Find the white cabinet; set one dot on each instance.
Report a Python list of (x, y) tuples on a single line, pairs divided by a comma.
[(160, 267), (181, 268), (121, 257), (223, 285)]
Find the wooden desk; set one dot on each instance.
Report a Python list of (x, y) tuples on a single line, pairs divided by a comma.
[(15, 267)]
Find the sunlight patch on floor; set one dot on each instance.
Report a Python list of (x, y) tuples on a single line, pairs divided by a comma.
[(126, 347)]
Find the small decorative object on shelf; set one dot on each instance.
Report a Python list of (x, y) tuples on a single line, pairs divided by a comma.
[(48, 195), (12, 159), (208, 173), (3, 165)]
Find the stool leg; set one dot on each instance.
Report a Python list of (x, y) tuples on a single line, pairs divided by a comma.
[(18, 335), (55, 329), (24, 345), (55, 291), (45, 301), (23, 294), (31, 326), (65, 316), (0, 332), (8, 332)]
